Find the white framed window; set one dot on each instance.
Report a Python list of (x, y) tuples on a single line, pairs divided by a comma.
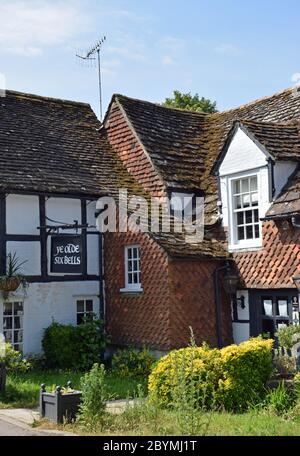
[(244, 206), (132, 268), (13, 313), (84, 308)]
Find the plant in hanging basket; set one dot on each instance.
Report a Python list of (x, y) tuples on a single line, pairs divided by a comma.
[(12, 279)]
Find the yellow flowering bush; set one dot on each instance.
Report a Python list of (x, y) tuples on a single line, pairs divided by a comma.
[(228, 378)]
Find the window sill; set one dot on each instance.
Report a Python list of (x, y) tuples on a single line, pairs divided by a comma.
[(131, 291), (244, 248)]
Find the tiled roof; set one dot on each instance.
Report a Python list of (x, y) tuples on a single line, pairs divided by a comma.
[(184, 146), (288, 202), (49, 145), (282, 141)]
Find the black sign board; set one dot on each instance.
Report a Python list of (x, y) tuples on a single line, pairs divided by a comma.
[(66, 254)]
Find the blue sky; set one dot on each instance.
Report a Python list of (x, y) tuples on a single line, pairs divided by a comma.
[(230, 51)]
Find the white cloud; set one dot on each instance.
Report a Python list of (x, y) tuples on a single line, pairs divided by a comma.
[(227, 49), (28, 27)]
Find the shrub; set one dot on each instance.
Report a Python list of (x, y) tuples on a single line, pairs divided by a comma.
[(132, 362), (285, 336), (59, 346), (227, 378), (14, 362), (90, 342), (74, 347), (94, 396)]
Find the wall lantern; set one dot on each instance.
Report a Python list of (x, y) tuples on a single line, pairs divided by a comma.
[(296, 280), (230, 282)]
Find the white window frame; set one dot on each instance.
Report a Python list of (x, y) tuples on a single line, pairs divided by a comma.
[(85, 298), (13, 329), (132, 286), (235, 244)]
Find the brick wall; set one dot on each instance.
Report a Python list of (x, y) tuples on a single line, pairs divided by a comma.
[(193, 303), (131, 153), (143, 319), (176, 295), (276, 263)]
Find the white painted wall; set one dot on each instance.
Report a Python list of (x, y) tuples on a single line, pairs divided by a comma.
[(22, 214), (55, 300), (241, 332), (47, 301), (64, 210), (28, 251), (242, 155), (282, 171)]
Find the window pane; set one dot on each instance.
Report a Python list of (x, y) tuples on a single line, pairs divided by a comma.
[(248, 215), (130, 278), (254, 199), (245, 185), (135, 265), (8, 336), (249, 232), (255, 215), (282, 307), (241, 234), (253, 183), (246, 200), (89, 305), (240, 218), (17, 322), (18, 308), (237, 186), (129, 265), (7, 322), (256, 231), (129, 253), (7, 308), (267, 307), (80, 318), (238, 202), (135, 252), (80, 306), (135, 278)]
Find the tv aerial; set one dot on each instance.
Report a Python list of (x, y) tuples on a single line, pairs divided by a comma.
[(90, 59)]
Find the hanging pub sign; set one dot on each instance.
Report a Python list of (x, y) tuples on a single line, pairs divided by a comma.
[(66, 254)]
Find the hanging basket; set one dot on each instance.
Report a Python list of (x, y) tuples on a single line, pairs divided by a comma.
[(10, 284)]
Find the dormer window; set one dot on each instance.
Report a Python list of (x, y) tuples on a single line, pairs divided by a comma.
[(245, 208)]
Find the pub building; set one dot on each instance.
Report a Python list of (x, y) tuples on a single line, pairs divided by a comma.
[(241, 280)]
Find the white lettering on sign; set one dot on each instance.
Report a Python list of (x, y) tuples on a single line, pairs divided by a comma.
[(67, 249)]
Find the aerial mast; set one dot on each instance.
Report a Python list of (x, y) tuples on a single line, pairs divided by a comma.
[(89, 57)]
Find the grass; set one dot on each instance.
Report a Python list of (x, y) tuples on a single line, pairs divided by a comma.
[(22, 390), (213, 424)]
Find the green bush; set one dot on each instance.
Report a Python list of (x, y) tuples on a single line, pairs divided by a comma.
[(94, 396), (74, 347), (285, 336), (132, 363), (14, 362), (229, 378), (59, 345), (90, 342)]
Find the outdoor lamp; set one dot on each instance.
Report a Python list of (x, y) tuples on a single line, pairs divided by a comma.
[(296, 280), (230, 282)]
